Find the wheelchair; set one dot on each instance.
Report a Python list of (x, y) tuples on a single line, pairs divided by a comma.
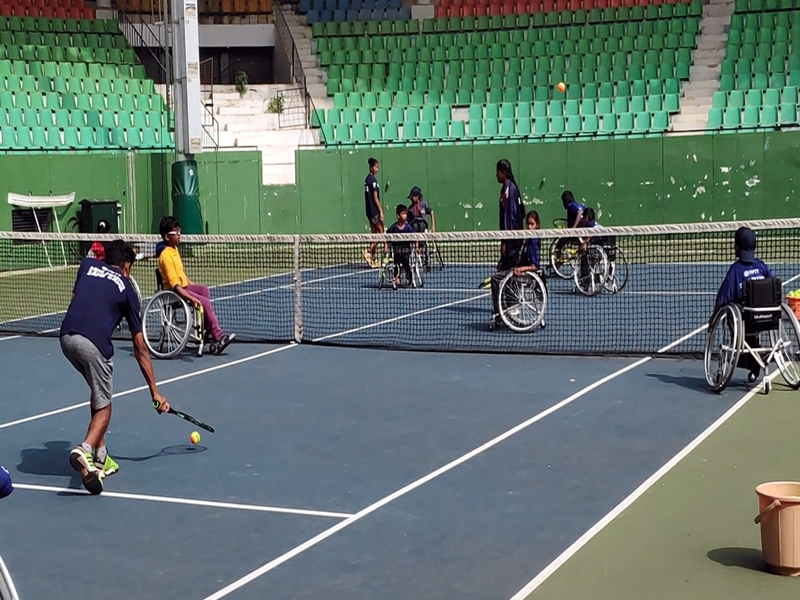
[(428, 248), (522, 301), (169, 324), (618, 268), (563, 252), (736, 332), (391, 270), (590, 270)]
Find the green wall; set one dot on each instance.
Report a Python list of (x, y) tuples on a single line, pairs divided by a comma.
[(142, 183), (637, 181)]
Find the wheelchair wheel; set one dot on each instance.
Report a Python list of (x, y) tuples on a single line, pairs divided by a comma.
[(591, 271), (416, 270), (788, 357), (434, 249), (723, 346), (522, 301), (167, 324), (390, 271), (617, 273), (563, 252), (138, 294)]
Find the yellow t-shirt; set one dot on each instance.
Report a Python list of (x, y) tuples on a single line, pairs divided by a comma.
[(170, 266)]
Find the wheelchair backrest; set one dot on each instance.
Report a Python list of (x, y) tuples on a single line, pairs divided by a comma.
[(159, 281), (761, 295)]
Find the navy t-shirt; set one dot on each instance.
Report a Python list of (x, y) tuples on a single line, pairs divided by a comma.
[(370, 187), (530, 253), (573, 208), (103, 296), (396, 228), (512, 212), (731, 289)]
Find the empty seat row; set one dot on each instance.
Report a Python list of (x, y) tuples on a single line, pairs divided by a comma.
[(307, 5), (496, 130), (762, 50), (776, 64), (54, 100), (45, 12), (92, 70), (33, 53), (558, 5), (58, 25), (758, 81), (498, 22), (63, 38), (364, 15), (76, 85), (521, 7), (768, 97), (83, 138), (744, 6), (31, 117), (764, 35), (587, 38), (638, 87), (574, 78), (752, 117)]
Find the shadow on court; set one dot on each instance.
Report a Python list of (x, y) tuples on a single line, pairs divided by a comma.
[(52, 460), (179, 449), (744, 558)]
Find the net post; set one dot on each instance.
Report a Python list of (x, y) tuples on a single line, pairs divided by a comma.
[(298, 307)]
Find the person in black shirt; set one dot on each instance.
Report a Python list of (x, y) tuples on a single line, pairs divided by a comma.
[(372, 205), (101, 298)]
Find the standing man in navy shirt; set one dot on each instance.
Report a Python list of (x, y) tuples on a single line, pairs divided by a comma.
[(372, 205), (512, 214), (102, 296)]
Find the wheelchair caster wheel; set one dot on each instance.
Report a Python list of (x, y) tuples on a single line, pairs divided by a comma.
[(542, 324), (212, 348), (767, 386), (752, 376)]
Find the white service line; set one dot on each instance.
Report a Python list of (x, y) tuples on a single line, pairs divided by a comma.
[(144, 387), (635, 495), (189, 501), (289, 286), (398, 318), (9, 337), (414, 485)]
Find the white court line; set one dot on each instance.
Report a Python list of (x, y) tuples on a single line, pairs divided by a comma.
[(419, 482), (291, 285), (398, 318), (414, 485), (144, 387), (189, 501), (635, 495), (9, 337)]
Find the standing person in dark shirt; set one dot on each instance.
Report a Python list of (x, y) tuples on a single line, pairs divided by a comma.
[(102, 296), (372, 205), (512, 213)]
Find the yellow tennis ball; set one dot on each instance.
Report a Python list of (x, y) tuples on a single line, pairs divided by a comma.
[(561, 87), (195, 437)]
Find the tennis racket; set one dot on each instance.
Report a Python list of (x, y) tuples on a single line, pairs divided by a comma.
[(189, 418)]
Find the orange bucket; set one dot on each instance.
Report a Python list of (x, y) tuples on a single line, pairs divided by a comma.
[(779, 517), (794, 304)]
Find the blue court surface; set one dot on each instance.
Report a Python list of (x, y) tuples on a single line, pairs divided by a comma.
[(334, 473)]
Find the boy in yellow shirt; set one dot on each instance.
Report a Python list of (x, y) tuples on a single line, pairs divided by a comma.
[(174, 278)]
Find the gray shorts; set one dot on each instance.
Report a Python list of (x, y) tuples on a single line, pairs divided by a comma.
[(96, 369)]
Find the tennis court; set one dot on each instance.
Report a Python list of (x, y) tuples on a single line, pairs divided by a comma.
[(355, 472)]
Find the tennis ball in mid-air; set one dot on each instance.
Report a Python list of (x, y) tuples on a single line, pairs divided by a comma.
[(561, 87), (195, 437)]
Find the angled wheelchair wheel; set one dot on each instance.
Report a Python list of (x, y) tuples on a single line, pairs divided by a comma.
[(167, 324), (522, 301), (390, 271), (788, 356), (723, 346), (138, 291), (591, 271), (563, 252), (617, 272), (417, 280)]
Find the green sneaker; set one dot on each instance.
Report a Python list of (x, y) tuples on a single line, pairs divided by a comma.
[(109, 467), (82, 461)]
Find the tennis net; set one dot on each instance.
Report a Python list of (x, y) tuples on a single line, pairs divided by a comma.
[(319, 288)]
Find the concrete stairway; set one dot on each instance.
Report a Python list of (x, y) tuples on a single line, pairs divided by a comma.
[(245, 123), (316, 78), (705, 72)]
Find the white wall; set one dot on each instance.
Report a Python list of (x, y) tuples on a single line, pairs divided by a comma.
[(218, 36)]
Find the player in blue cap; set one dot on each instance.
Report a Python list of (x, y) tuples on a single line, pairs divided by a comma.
[(746, 268)]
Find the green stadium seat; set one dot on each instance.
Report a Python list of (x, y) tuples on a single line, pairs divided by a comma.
[(788, 114), (732, 118), (769, 116)]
